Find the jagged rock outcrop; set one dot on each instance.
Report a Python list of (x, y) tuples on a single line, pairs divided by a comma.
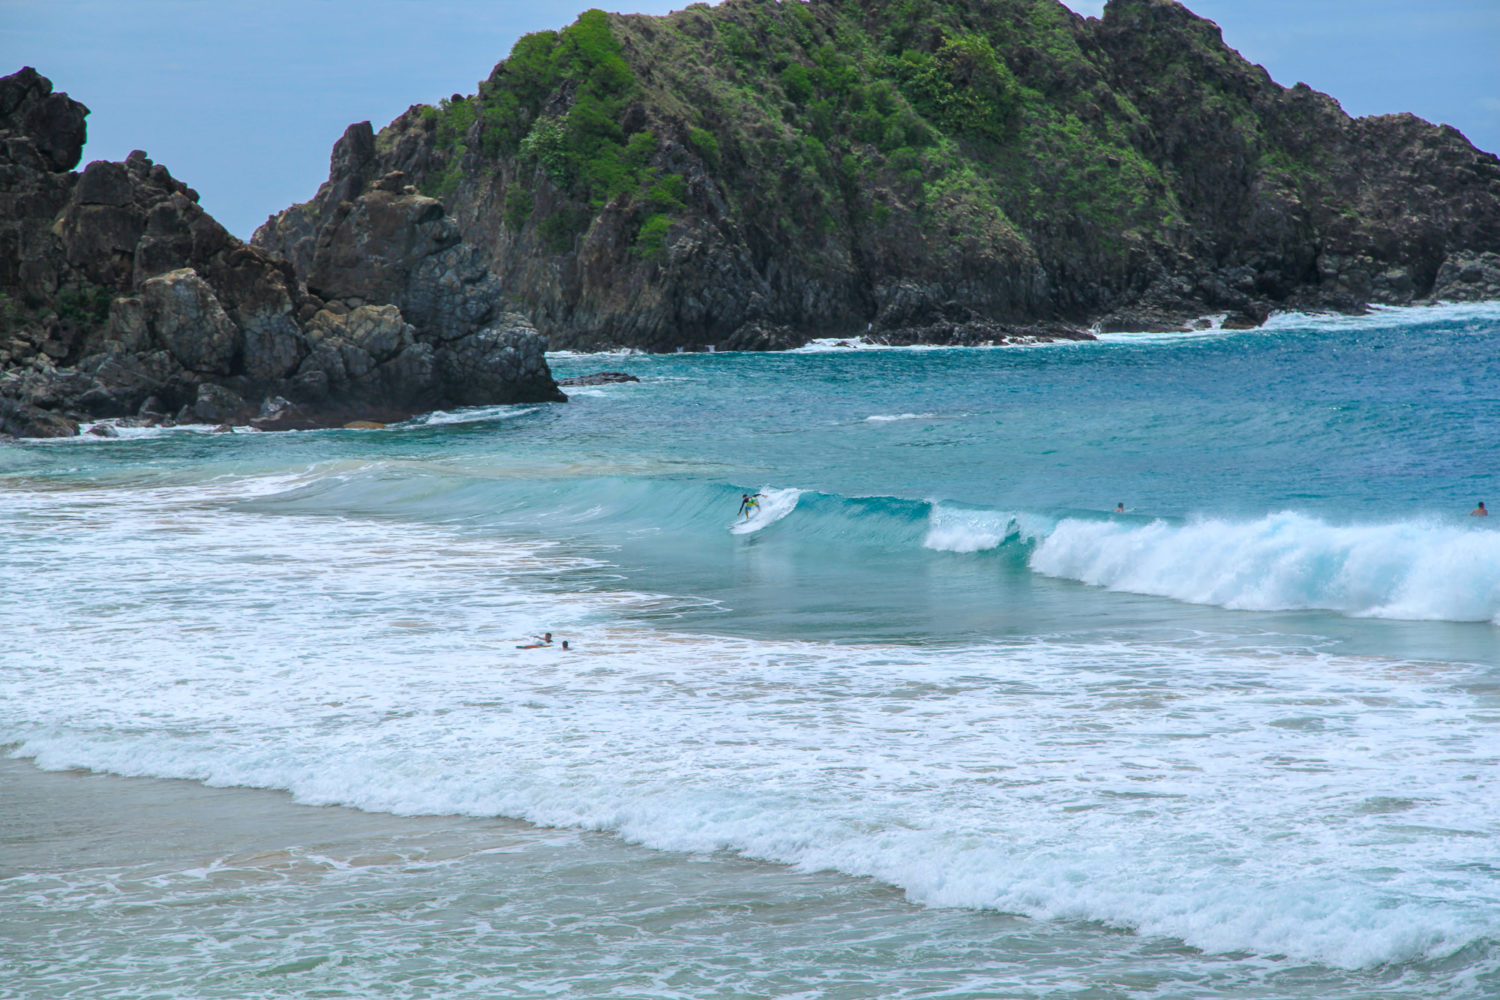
[(40, 123), (119, 295), (1468, 277), (755, 174)]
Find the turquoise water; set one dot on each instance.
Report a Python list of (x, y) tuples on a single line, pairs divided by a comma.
[(934, 721)]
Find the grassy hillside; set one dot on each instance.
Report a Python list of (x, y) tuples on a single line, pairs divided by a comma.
[(807, 115)]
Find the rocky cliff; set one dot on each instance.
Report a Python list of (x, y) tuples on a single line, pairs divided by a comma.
[(757, 173), (120, 297)]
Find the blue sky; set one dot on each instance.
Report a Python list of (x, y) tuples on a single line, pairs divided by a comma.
[(243, 99)]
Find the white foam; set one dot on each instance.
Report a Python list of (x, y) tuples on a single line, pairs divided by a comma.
[(1202, 790), (886, 418), (774, 505), (826, 345), (470, 415), (1302, 322), (1379, 316), (1406, 570), (964, 530), (128, 433), (622, 352), (1211, 327)]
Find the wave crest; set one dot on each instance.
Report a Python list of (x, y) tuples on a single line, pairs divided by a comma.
[(1287, 561)]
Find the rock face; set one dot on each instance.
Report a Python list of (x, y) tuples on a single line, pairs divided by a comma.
[(1468, 277), (119, 294), (755, 174)]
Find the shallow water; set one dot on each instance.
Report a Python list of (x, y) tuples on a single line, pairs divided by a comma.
[(933, 722)]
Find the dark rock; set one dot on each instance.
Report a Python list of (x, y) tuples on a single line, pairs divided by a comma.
[(27, 420), (598, 378), (185, 317), (103, 431), (501, 364), (105, 183), (218, 405), (1468, 276), (759, 336), (53, 122), (144, 304), (402, 249)]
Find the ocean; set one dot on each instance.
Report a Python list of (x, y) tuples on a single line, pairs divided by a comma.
[(934, 721)]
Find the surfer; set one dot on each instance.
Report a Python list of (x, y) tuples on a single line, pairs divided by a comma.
[(542, 641), (749, 504), (1479, 511), (1120, 507)]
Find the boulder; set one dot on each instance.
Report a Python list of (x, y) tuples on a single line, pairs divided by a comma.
[(22, 419), (54, 123), (185, 317), (380, 331), (401, 248), (504, 363), (1468, 276), (217, 405), (760, 336)]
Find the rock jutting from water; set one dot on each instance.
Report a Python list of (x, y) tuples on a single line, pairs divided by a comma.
[(753, 175), (598, 378), (121, 297)]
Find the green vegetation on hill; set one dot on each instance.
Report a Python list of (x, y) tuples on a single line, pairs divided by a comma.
[(583, 147), (812, 119), (821, 164)]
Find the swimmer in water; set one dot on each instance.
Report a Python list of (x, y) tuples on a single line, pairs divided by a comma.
[(1479, 511), (1120, 507), (544, 640)]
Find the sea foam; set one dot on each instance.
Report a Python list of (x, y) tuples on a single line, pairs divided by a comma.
[(1165, 787), (1407, 570)]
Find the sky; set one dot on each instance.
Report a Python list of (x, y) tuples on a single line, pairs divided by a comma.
[(243, 99)]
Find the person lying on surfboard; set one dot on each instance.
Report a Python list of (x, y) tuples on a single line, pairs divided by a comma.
[(749, 503), (545, 639)]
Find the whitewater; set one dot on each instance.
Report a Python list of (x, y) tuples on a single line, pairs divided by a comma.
[(934, 720)]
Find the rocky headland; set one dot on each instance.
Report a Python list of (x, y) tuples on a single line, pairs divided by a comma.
[(748, 176), (120, 297), (756, 174)]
